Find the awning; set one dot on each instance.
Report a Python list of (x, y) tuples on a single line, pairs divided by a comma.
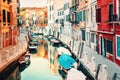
[(62, 50), (66, 61), (74, 74)]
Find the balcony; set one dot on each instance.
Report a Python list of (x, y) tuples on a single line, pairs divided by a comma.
[(73, 9)]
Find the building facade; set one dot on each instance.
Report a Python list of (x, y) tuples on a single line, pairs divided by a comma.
[(107, 17), (8, 22), (91, 26), (50, 17), (35, 18)]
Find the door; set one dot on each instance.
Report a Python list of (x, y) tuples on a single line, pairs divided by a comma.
[(104, 48), (101, 48)]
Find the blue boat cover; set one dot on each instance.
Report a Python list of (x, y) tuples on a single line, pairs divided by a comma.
[(66, 61)]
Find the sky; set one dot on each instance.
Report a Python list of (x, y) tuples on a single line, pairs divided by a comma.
[(33, 3)]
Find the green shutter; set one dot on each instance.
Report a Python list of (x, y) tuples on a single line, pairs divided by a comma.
[(84, 15), (80, 15)]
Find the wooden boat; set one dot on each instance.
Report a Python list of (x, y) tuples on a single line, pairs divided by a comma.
[(24, 59)]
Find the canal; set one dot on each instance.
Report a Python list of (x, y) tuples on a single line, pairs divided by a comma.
[(42, 66)]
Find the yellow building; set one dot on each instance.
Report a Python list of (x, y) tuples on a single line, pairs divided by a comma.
[(8, 23)]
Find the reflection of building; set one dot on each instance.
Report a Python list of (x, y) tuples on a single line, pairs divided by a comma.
[(15, 75), (108, 20), (43, 49), (9, 11), (52, 57)]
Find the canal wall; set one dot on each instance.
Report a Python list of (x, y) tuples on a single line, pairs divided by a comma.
[(13, 52), (67, 40)]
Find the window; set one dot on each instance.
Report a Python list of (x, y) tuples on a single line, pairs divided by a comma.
[(50, 16), (118, 46), (98, 15), (83, 35), (52, 7), (75, 2), (91, 14), (9, 1), (8, 17), (6, 35), (109, 45), (62, 12), (18, 10), (4, 16), (118, 9), (111, 12), (84, 15), (66, 6), (79, 16), (92, 37), (87, 35), (68, 18)]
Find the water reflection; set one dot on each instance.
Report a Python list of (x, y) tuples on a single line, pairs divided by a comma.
[(15, 75), (11, 72), (43, 65), (22, 67)]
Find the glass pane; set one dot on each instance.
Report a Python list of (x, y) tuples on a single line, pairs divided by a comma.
[(118, 46)]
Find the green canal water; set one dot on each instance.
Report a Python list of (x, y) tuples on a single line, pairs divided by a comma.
[(37, 69)]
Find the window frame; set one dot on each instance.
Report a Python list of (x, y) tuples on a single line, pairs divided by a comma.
[(110, 14), (116, 47), (107, 48), (92, 37), (4, 15), (8, 16), (97, 15)]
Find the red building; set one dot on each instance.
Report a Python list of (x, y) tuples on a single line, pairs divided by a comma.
[(108, 20)]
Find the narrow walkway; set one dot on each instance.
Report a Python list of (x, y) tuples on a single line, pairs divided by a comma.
[(11, 53), (112, 67)]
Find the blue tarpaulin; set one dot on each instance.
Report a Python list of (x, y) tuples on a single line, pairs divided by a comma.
[(66, 61)]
